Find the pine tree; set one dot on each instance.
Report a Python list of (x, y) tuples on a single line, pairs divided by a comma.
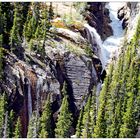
[(32, 22), (45, 120), (33, 126), (93, 111), (15, 39), (11, 124), (2, 112), (86, 119), (64, 121), (51, 13), (100, 128), (26, 29), (128, 125), (64, 89), (79, 124), (17, 132)]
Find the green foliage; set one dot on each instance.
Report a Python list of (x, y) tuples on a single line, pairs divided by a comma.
[(64, 89), (51, 13), (31, 45), (89, 51), (86, 120), (46, 120), (79, 124), (64, 120), (11, 124), (118, 110), (17, 132), (2, 113), (100, 128), (15, 39), (33, 126)]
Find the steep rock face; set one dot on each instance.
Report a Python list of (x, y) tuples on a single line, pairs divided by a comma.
[(81, 76), (128, 14), (98, 17), (27, 88), (28, 82), (124, 14)]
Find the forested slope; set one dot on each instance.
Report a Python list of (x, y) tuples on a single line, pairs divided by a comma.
[(53, 79)]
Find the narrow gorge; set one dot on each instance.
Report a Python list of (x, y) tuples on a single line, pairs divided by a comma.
[(69, 69)]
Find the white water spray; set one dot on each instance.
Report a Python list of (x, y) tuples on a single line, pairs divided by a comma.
[(112, 43), (96, 42), (109, 48)]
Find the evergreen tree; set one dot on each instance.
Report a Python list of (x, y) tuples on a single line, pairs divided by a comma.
[(32, 22), (79, 124), (64, 89), (11, 124), (2, 113), (100, 128), (86, 119), (45, 120), (15, 40), (26, 29), (17, 132), (31, 45), (64, 121), (51, 13), (33, 126)]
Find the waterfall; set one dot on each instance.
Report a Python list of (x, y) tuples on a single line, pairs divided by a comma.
[(95, 40), (112, 43), (109, 48), (29, 100)]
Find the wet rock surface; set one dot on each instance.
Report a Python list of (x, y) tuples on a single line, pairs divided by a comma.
[(28, 82), (127, 14), (98, 17)]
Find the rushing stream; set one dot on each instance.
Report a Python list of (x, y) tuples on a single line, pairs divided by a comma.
[(112, 43), (109, 48)]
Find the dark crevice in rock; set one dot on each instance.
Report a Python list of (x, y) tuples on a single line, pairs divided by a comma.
[(98, 17), (103, 75)]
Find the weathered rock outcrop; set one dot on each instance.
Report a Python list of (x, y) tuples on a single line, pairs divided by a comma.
[(28, 82), (98, 17), (124, 14), (128, 13)]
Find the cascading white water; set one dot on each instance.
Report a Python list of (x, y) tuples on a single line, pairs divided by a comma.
[(96, 42), (29, 100), (112, 43), (109, 48)]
